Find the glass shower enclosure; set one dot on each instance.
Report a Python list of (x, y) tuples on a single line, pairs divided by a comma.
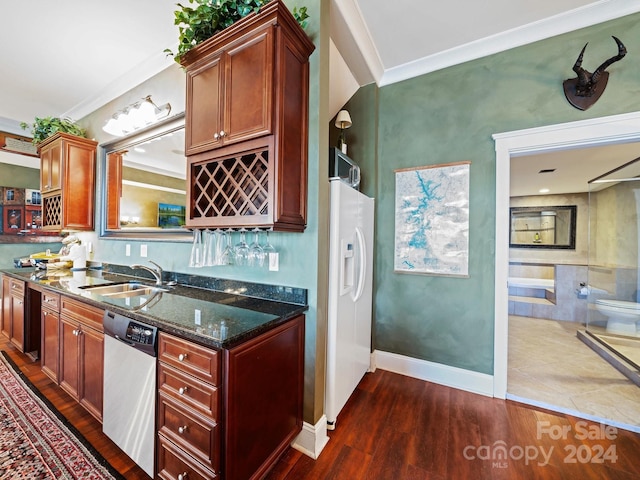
[(613, 314)]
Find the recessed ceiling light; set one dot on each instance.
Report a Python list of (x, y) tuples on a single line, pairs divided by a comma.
[(543, 190)]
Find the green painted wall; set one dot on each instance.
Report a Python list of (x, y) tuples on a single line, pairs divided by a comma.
[(19, 177), (449, 116)]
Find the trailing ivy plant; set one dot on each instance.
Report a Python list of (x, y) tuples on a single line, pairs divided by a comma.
[(208, 17), (43, 128)]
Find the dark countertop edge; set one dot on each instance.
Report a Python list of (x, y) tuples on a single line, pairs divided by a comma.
[(164, 325)]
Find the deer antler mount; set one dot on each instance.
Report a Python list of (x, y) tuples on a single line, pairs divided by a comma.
[(585, 90)]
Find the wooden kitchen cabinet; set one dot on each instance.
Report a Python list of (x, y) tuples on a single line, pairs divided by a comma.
[(230, 93), (13, 311), (246, 124), (229, 413), (67, 182), (81, 364), (50, 341)]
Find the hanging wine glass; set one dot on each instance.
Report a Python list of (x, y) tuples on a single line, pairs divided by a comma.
[(241, 251), (256, 254), (268, 250), (195, 260), (228, 253)]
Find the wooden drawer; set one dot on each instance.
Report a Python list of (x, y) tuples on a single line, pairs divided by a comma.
[(195, 393), (190, 431), (173, 462), (51, 301), (82, 312), (201, 362), (17, 286)]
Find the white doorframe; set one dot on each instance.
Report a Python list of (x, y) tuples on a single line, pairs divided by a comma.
[(624, 128)]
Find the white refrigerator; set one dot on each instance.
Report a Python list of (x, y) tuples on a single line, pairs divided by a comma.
[(350, 295)]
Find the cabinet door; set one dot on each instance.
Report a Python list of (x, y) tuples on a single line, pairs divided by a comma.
[(203, 118), (50, 344), (69, 353), (91, 370), (248, 88), (6, 307), (264, 388), (79, 185), (50, 164), (17, 321)]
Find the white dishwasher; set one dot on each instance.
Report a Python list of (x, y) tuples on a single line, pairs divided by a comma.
[(129, 402)]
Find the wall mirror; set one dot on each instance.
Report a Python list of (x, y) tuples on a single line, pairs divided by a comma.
[(543, 227), (144, 184)]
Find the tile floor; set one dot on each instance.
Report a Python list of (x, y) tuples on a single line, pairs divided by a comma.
[(550, 367)]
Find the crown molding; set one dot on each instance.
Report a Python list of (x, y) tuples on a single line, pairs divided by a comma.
[(582, 17)]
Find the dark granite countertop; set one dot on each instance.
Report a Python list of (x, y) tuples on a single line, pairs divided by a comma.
[(216, 318)]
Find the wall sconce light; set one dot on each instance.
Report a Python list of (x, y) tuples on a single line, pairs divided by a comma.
[(136, 116), (343, 121)]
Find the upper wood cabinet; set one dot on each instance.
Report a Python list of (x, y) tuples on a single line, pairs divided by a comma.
[(248, 93), (67, 182), (230, 93)]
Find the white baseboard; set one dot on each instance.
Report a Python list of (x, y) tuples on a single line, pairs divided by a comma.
[(454, 377), (312, 439)]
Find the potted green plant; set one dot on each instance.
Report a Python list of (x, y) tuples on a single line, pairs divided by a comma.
[(199, 23), (43, 128)]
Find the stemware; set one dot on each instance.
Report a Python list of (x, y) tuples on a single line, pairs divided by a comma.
[(256, 254), (195, 260), (226, 258), (268, 250), (241, 251)]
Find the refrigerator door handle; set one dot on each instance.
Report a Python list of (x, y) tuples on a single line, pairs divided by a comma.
[(362, 261)]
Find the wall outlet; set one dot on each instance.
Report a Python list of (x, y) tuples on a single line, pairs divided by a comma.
[(143, 250), (127, 250)]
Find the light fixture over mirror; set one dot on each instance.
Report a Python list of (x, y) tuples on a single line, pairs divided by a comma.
[(144, 184), (136, 116)]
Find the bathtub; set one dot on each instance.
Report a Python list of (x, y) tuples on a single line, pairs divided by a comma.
[(526, 282)]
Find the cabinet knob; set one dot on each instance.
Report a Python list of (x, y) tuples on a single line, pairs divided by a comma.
[(75, 332), (222, 133), (182, 476), (182, 390), (182, 357), (216, 135), (182, 429)]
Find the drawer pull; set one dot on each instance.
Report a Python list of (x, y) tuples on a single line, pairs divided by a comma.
[(182, 429), (182, 476), (182, 357), (182, 390)]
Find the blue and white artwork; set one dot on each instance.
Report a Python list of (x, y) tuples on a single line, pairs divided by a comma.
[(432, 220)]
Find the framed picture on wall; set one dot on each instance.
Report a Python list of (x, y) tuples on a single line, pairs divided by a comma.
[(33, 217), (13, 196), (432, 220), (13, 220), (32, 197)]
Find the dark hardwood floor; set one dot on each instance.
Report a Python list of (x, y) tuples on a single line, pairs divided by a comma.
[(399, 428)]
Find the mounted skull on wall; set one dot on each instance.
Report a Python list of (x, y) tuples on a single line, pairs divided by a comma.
[(586, 89)]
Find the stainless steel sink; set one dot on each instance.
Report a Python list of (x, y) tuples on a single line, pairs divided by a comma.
[(121, 290)]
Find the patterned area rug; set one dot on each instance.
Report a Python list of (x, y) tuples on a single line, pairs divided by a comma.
[(35, 442)]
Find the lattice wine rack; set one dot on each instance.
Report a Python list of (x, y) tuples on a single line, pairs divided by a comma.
[(229, 191), (52, 211)]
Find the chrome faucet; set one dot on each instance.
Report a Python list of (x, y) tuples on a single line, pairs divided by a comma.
[(156, 272)]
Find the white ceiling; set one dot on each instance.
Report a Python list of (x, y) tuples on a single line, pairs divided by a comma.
[(68, 58)]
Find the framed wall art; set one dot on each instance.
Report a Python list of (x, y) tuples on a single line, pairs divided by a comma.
[(432, 220)]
